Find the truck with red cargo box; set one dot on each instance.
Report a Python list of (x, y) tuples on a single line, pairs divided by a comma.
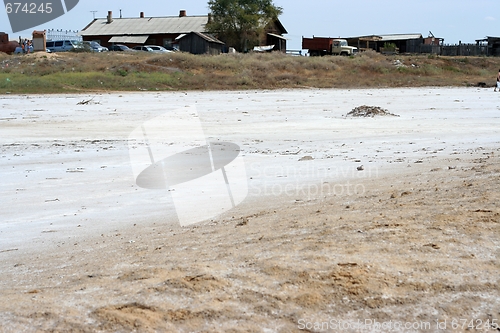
[(320, 46)]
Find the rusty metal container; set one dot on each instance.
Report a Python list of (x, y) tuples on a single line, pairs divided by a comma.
[(7, 46)]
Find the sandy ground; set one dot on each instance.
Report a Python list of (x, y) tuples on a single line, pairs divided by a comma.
[(349, 223)]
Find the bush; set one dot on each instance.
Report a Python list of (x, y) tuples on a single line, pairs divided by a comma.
[(389, 46), (122, 72)]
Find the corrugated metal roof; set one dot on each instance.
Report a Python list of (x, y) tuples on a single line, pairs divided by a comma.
[(391, 37), (180, 36), (275, 35), (136, 39), (206, 37), (146, 26), (400, 36)]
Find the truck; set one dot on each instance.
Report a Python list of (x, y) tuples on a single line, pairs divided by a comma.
[(320, 46)]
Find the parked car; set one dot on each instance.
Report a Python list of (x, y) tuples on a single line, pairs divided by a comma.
[(94, 47), (158, 49), (62, 45), (143, 48), (120, 47)]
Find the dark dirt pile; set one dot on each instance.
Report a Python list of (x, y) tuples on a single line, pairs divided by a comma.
[(369, 111)]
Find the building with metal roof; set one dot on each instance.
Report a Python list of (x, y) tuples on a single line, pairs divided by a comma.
[(164, 31), (142, 29), (404, 42)]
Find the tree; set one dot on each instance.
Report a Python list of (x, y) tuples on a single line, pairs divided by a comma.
[(241, 23)]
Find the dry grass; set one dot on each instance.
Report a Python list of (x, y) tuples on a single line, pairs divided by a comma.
[(51, 73)]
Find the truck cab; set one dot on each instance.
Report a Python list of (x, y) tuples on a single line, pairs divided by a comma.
[(340, 46)]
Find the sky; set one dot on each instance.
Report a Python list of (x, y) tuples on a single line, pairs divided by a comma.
[(453, 20)]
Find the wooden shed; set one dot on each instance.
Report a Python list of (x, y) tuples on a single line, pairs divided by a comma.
[(199, 43), (39, 40), (404, 42), (274, 36), (493, 45)]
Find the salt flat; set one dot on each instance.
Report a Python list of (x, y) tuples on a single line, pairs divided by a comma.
[(68, 181), (67, 165)]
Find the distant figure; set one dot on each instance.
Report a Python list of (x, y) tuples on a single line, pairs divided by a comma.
[(26, 46), (498, 81)]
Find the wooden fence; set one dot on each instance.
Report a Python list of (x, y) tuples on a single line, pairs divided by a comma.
[(416, 46), (464, 50)]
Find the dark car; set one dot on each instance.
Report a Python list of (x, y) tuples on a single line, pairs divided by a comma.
[(119, 47), (94, 46)]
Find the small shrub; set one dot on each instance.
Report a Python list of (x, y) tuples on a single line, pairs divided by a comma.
[(122, 72), (390, 46), (451, 69), (288, 78), (403, 69)]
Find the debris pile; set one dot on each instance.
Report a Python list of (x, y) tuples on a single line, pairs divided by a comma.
[(88, 101), (398, 63), (369, 111)]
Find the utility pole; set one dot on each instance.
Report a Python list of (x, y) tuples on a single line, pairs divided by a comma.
[(93, 13)]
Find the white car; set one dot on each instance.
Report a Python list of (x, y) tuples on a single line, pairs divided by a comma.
[(143, 48), (62, 45), (158, 49)]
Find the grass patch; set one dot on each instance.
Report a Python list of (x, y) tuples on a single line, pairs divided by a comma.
[(113, 71)]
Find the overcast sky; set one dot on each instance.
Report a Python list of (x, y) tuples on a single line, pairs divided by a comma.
[(453, 20)]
